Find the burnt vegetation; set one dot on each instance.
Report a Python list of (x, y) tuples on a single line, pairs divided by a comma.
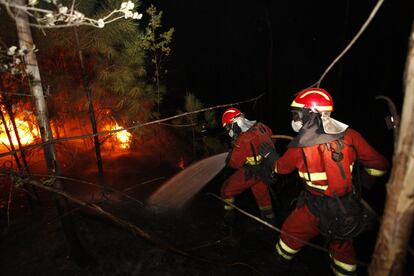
[(74, 203)]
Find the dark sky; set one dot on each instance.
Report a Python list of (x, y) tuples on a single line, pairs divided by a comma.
[(221, 53)]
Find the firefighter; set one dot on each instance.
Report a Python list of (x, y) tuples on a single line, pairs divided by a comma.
[(324, 153), (247, 136)]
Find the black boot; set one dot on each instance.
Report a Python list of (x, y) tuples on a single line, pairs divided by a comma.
[(231, 234), (271, 220), (268, 215), (229, 218), (282, 264)]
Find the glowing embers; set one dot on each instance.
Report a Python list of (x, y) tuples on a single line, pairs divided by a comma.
[(27, 131), (123, 137), (181, 163)]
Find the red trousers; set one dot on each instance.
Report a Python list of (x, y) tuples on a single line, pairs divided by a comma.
[(237, 183), (302, 224)]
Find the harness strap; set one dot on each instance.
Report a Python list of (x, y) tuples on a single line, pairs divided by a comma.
[(305, 162), (254, 153), (337, 156), (338, 201)]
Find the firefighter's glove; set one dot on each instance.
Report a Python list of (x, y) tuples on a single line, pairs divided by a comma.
[(367, 181), (269, 154)]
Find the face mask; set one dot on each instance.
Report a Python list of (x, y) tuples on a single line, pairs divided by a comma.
[(233, 130), (231, 133), (296, 125)]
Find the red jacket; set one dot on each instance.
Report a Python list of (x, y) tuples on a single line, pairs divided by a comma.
[(326, 175), (242, 152)]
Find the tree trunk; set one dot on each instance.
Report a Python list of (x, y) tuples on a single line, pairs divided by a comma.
[(9, 111), (26, 41), (6, 129), (92, 116), (25, 169), (396, 227)]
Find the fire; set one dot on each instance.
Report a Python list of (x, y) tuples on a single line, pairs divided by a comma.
[(124, 137), (26, 132)]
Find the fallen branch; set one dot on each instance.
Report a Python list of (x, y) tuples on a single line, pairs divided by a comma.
[(135, 230)]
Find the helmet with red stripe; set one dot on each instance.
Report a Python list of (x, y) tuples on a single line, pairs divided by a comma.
[(229, 115), (316, 99)]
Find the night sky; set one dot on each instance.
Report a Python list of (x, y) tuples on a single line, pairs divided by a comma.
[(224, 51), (221, 53)]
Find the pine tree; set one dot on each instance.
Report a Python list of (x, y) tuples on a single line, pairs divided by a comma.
[(199, 125), (121, 69)]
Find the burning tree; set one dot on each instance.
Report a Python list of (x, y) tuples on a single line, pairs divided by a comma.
[(20, 11)]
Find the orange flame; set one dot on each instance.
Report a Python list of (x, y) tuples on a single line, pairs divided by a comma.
[(27, 133), (181, 163), (123, 137)]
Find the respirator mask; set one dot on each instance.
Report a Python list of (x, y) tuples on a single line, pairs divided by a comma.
[(233, 130), (297, 116)]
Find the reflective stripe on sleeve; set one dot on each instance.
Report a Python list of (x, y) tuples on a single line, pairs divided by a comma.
[(375, 172)]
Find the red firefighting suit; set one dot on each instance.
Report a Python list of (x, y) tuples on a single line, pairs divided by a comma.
[(323, 176), (245, 158)]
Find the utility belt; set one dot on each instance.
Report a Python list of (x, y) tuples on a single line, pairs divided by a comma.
[(340, 218), (253, 160), (254, 167)]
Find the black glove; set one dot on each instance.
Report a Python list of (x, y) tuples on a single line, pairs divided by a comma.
[(366, 180), (268, 152)]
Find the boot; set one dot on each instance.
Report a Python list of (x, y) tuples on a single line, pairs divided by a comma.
[(268, 232), (229, 217), (282, 264), (267, 214), (231, 234), (271, 220)]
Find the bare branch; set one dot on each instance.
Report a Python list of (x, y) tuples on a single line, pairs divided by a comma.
[(364, 26), (63, 17)]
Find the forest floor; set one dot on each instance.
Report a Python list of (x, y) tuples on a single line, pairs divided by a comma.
[(32, 242)]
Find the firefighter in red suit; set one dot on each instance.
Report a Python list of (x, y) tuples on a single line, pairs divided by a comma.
[(324, 153), (247, 136)]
